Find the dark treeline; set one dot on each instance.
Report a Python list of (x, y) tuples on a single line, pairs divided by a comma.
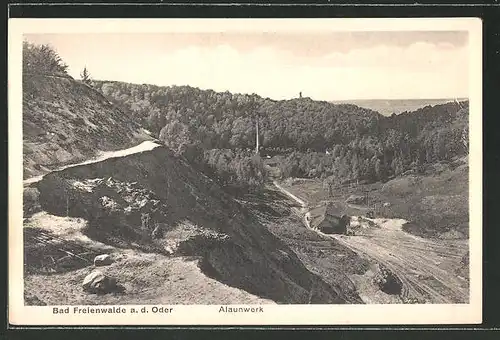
[(227, 121), (409, 141), (318, 139)]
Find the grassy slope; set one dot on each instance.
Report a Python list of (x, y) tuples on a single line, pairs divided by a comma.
[(436, 205), (65, 121)]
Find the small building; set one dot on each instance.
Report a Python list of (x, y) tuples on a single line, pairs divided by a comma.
[(334, 224), (333, 221)]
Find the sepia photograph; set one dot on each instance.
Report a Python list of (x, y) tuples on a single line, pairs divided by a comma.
[(233, 171)]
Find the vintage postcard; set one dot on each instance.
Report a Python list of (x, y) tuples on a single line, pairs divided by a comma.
[(245, 172)]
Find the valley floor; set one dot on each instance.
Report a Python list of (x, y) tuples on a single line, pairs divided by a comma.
[(427, 269), (431, 270)]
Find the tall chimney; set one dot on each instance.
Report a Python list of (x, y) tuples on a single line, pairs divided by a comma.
[(257, 136)]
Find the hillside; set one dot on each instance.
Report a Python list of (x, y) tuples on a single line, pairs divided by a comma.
[(228, 119), (174, 234), (314, 138), (100, 206), (66, 121)]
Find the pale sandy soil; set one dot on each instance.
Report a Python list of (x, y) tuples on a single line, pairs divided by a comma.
[(65, 228)]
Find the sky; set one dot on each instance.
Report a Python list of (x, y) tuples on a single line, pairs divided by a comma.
[(323, 66)]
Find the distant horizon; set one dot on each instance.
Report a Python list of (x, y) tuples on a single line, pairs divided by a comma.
[(297, 97), (324, 66)]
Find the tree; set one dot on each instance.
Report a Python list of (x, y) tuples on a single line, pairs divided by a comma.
[(328, 184), (355, 169), (176, 136), (85, 75), (42, 59)]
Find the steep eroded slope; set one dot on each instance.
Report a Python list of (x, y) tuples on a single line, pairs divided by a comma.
[(233, 246)]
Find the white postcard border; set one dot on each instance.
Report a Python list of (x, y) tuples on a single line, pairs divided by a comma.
[(470, 313)]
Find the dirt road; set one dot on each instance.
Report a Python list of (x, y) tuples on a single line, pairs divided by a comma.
[(425, 267)]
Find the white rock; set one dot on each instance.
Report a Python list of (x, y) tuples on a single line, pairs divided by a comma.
[(97, 282), (103, 260)]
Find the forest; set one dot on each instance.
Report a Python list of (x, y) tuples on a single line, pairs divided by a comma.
[(336, 142)]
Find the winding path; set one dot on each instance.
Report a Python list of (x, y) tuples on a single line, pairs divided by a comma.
[(144, 146)]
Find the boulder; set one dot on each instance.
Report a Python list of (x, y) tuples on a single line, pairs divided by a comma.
[(109, 203), (103, 260), (98, 283)]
